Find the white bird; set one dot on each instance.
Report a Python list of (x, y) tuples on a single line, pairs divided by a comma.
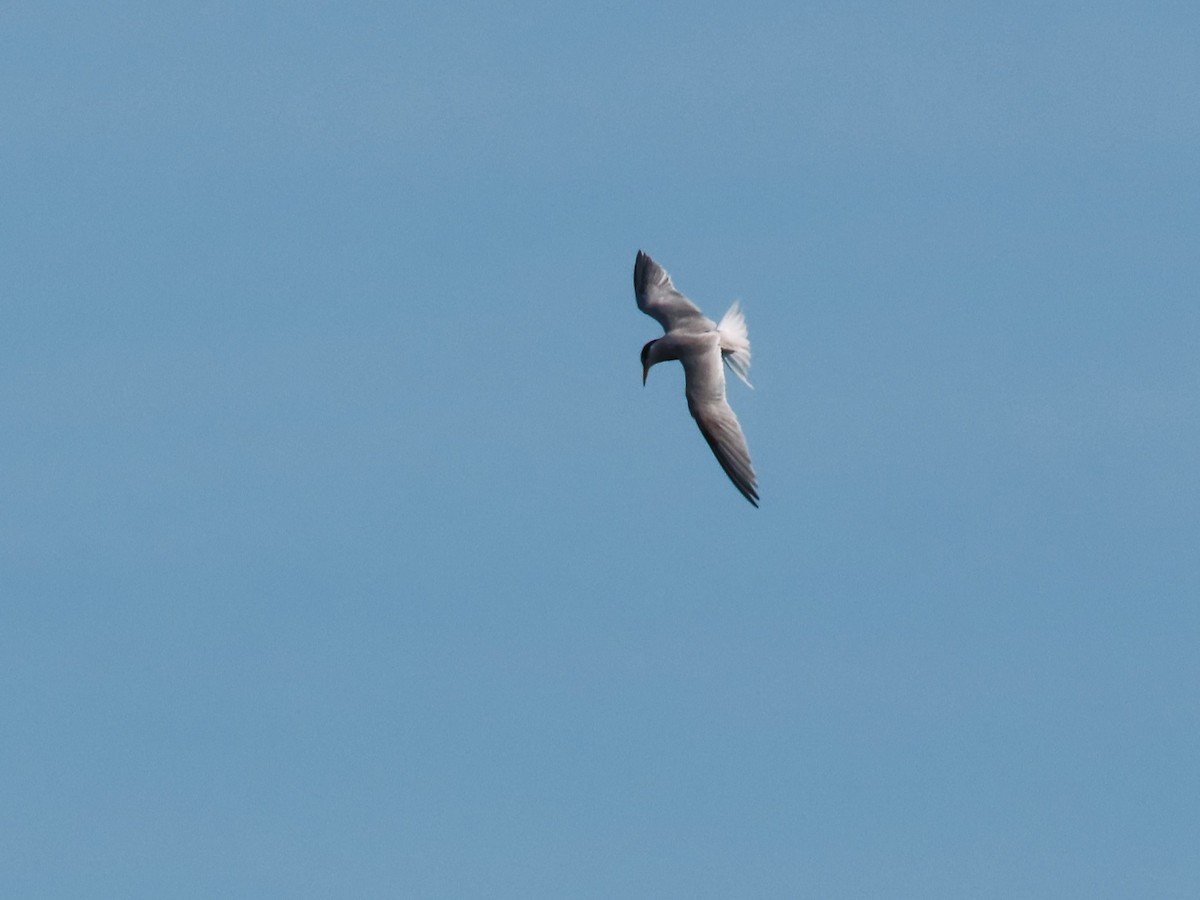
[(701, 345)]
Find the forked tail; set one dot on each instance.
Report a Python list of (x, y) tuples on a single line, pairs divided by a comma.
[(735, 342)]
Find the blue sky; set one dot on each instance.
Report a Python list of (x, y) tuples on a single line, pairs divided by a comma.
[(345, 555)]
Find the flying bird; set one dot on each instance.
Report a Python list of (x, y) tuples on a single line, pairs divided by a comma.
[(701, 345)]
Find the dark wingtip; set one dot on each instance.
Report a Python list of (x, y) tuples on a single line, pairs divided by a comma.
[(639, 269), (744, 481)]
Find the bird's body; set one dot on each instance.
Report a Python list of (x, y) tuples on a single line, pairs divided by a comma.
[(702, 346)]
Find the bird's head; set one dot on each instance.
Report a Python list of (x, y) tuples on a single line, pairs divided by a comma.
[(647, 362)]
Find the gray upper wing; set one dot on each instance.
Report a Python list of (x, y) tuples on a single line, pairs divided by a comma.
[(658, 298), (705, 378)]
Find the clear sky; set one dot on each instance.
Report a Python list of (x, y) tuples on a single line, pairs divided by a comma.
[(344, 555)]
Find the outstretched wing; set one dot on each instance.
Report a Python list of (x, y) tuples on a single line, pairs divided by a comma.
[(705, 380), (658, 298)]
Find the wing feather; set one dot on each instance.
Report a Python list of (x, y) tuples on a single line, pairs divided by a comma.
[(705, 386), (658, 298)]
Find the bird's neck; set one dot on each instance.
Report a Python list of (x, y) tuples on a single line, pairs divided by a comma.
[(664, 349)]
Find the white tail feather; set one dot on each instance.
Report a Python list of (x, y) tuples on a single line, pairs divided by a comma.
[(735, 342)]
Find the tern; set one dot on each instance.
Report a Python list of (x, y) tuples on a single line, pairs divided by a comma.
[(701, 345)]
